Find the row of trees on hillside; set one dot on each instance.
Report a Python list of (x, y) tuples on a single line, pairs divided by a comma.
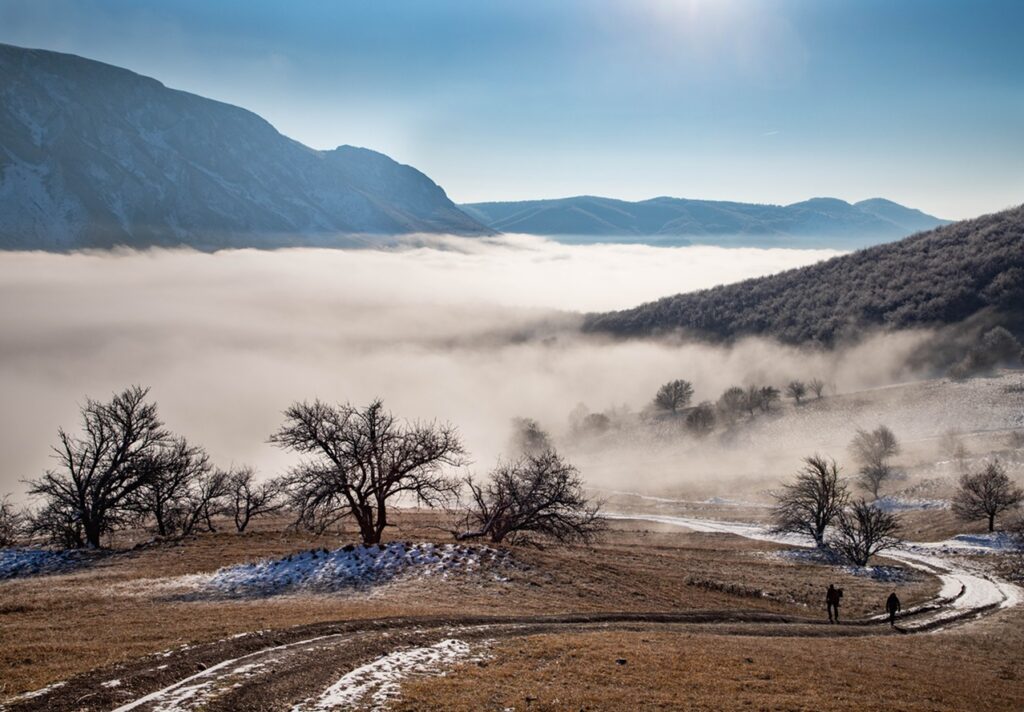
[(673, 400), (673, 405), (818, 504), (124, 469)]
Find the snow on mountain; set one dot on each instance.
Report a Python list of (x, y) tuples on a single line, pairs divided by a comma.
[(92, 155)]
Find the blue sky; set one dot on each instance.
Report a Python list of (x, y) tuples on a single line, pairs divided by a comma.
[(920, 101)]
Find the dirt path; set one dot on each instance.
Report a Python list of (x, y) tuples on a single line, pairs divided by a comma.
[(341, 665), (294, 668), (965, 594)]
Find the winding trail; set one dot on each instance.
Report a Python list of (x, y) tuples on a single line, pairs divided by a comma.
[(362, 663), (965, 593)]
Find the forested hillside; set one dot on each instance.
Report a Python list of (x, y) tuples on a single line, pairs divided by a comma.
[(938, 277)]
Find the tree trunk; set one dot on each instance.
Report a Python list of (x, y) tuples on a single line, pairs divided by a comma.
[(367, 527), (991, 522), (92, 535), (369, 535), (382, 521)]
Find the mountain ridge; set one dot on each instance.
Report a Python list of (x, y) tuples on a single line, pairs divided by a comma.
[(95, 155), (816, 222)]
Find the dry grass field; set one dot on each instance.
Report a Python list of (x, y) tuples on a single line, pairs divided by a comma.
[(117, 609), (980, 667)]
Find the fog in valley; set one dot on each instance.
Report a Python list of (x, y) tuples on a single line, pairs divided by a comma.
[(474, 332)]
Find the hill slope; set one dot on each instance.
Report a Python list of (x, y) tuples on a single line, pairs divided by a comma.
[(95, 155), (816, 222), (939, 277)]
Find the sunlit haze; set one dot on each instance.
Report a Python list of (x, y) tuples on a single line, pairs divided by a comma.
[(773, 102)]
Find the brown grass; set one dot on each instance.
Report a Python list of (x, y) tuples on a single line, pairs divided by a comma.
[(52, 627), (975, 668)]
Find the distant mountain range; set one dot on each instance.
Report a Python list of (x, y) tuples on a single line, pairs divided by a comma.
[(945, 276), (92, 155), (819, 222)]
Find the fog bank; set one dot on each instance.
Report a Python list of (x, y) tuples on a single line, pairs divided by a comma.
[(470, 331)]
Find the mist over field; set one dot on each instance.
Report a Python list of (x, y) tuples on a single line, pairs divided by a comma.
[(471, 331)]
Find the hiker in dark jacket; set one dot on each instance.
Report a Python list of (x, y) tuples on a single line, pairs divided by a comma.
[(892, 604), (832, 597)]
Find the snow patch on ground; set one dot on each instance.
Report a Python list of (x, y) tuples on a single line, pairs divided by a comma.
[(321, 570), (37, 693), (667, 500), (971, 590), (903, 504), (378, 683), (827, 557), (966, 544), (30, 562)]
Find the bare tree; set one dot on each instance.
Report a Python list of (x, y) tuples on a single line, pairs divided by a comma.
[(528, 437), (873, 450), (753, 399), (181, 491), (248, 500), (870, 478), (12, 522), (796, 390), (769, 397), (673, 396), (701, 420), (863, 530), (817, 387), (809, 504), (59, 524), (732, 402), (359, 460), (98, 472), (170, 474), (986, 494), (537, 494), (206, 498), (874, 446)]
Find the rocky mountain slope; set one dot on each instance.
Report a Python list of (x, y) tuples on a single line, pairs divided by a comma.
[(92, 155)]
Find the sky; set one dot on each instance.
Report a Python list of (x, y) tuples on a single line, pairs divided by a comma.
[(919, 101)]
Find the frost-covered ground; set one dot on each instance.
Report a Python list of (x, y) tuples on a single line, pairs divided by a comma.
[(30, 562), (321, 570), (899, 503), (915, 411), (375, 684), (965, 590), (971, 544), (826, 557)]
